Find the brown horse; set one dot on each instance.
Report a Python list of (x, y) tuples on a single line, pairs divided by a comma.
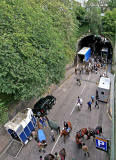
[(80, 134), (64, 132)]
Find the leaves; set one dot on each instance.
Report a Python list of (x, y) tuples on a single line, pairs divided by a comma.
[(37, 39)]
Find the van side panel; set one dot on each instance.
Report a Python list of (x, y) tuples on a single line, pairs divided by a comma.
[(87, 55)]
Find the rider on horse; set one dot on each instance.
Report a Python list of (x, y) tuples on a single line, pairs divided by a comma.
[(66, 127)]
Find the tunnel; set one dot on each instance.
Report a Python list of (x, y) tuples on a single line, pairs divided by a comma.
[(99, 45)]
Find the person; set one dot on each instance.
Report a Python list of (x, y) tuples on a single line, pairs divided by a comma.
[(78, 100), (92, 98), (57, 157), (41, 158), (81, 102), (75, 70), (42, 145), (97, 94), (78, 106), (96, 104), (78, 81), (42, 120), (85, 149), (62, 154), (52, 136), (65, 125), (89, 105), (96, 70)]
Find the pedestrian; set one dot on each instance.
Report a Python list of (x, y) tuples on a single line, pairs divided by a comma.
[(57, 157), (62, 154), (78, 100), (76, 71), (89, 105), (96, 70), (78, 106), (52, 136), (80, 70), (85, 149), (92, 99), (41, 158), (96, 104), (81, 102), (78, 81), (41, 146), (42, 120)]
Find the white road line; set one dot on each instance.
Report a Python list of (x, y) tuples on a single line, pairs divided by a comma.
[(70, 115), (81, 95), (55, 144)]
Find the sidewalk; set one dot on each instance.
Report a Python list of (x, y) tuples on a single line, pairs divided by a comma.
[(4, 137)]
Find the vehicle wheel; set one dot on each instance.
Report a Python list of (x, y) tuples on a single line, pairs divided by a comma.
[(54, 102)]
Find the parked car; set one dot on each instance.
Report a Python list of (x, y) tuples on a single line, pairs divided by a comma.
[(44, 104)]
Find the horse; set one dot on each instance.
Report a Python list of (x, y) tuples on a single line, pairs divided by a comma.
[(53, 125), (93, 132), (64, 132), (80, 134), (49, 157)]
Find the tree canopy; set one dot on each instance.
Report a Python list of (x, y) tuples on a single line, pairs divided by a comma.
[(37, 39), (109, 23)]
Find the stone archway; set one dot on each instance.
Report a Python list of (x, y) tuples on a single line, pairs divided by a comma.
[(96, 43)]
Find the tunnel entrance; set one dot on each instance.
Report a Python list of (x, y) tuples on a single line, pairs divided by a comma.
[(100, 48)]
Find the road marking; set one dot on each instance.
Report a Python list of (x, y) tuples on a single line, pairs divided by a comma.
[(70, 115), (81, 95), (55, 144)]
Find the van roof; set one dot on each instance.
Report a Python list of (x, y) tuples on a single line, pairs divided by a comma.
[(104, 83), (83, 50)]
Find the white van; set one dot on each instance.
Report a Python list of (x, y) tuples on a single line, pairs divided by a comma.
[(104, 89)]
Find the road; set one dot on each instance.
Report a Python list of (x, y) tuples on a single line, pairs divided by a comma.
[(64, 110)]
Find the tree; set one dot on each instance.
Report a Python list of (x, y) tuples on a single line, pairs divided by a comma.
[(37, 39), (109, 23), (93, 13)]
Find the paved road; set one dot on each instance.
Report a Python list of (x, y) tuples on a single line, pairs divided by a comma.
[(65, 110)]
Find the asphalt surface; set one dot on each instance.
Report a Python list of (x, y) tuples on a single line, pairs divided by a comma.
[(64, 110)]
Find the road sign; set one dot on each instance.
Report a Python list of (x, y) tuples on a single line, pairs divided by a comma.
[(101, 143)]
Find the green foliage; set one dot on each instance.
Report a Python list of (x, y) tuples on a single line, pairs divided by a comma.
[(109, 23), (111, 4), (80, 14), (3, 113), (37, 39), (93, 15)]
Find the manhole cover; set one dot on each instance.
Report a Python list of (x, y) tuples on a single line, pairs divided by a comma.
[(14, 148)]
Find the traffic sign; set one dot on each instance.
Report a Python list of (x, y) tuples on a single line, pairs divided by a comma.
[(102, 143)]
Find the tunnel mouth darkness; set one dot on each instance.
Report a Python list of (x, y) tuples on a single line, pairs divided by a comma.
[(100, 47)]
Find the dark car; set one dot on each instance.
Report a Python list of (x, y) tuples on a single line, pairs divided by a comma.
[(44, 104)]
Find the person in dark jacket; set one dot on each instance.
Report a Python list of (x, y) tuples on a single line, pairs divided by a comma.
[(89, 105), (96, 104)]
